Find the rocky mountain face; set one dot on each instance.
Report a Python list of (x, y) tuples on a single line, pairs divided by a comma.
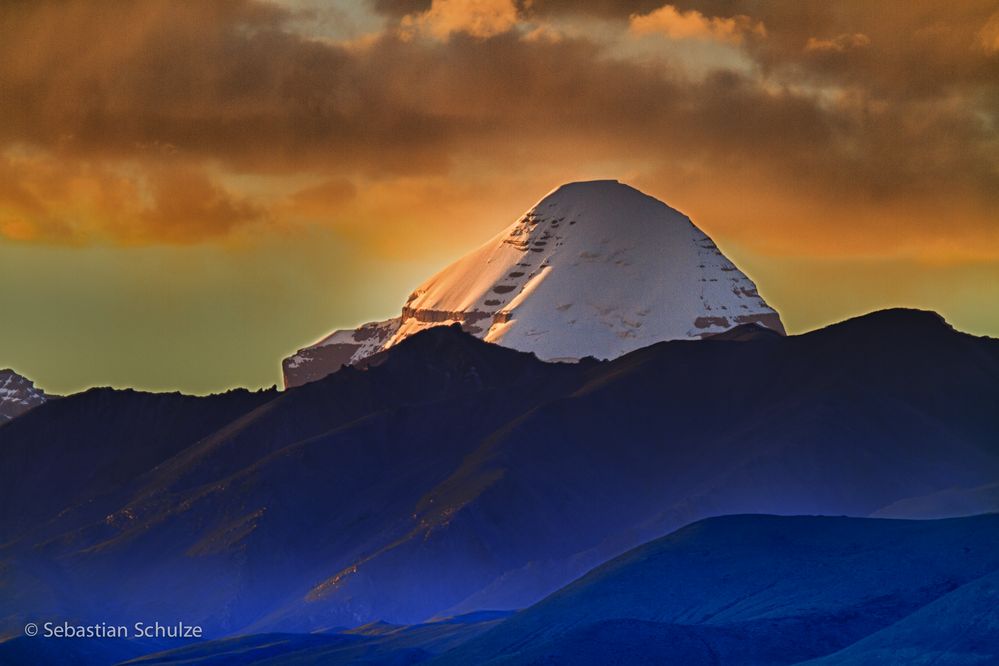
[(446, 475), (17, 395), (593, 269)]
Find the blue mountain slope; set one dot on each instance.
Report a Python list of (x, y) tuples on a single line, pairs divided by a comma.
[(736, 590), (374, 644), (959, 628), (25, 651), (769, 590)]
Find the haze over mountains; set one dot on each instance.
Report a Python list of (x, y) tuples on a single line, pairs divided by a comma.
[(595, 268), (449, 475)]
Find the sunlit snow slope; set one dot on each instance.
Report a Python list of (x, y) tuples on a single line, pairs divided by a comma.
[(594, 269)]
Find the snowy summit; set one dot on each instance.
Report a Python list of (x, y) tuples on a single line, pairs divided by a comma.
[(17, 395), (593, 269)]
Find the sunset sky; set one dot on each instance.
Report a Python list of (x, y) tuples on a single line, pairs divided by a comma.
[(189, 191)]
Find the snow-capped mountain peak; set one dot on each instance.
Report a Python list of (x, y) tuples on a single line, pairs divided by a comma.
[(17, 395), (595, 268)]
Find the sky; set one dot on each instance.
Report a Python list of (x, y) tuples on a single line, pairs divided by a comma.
[(190, 191)]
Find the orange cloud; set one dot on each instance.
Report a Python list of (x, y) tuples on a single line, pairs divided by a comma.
[(478, 18), (988, 36), (694, 25), (60, 200), (233, 93), (322, 198), (187, 206), (839, 43)]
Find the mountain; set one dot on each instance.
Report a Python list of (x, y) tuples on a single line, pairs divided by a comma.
[(593, 269), (65, 455), (374, 643), (946, 503), (748, 589), (17, 395), (446, 475), (769, 590)]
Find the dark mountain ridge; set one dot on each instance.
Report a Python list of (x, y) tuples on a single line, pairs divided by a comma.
[(448, 475)]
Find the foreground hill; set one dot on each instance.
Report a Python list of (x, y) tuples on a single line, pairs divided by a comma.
[(447, 475), (771, 590), (735, 590)]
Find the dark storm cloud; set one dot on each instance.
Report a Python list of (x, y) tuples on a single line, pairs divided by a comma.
[(217, 80)]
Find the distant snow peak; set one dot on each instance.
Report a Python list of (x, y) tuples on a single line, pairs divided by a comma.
[(17, 395), (595, 268)]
